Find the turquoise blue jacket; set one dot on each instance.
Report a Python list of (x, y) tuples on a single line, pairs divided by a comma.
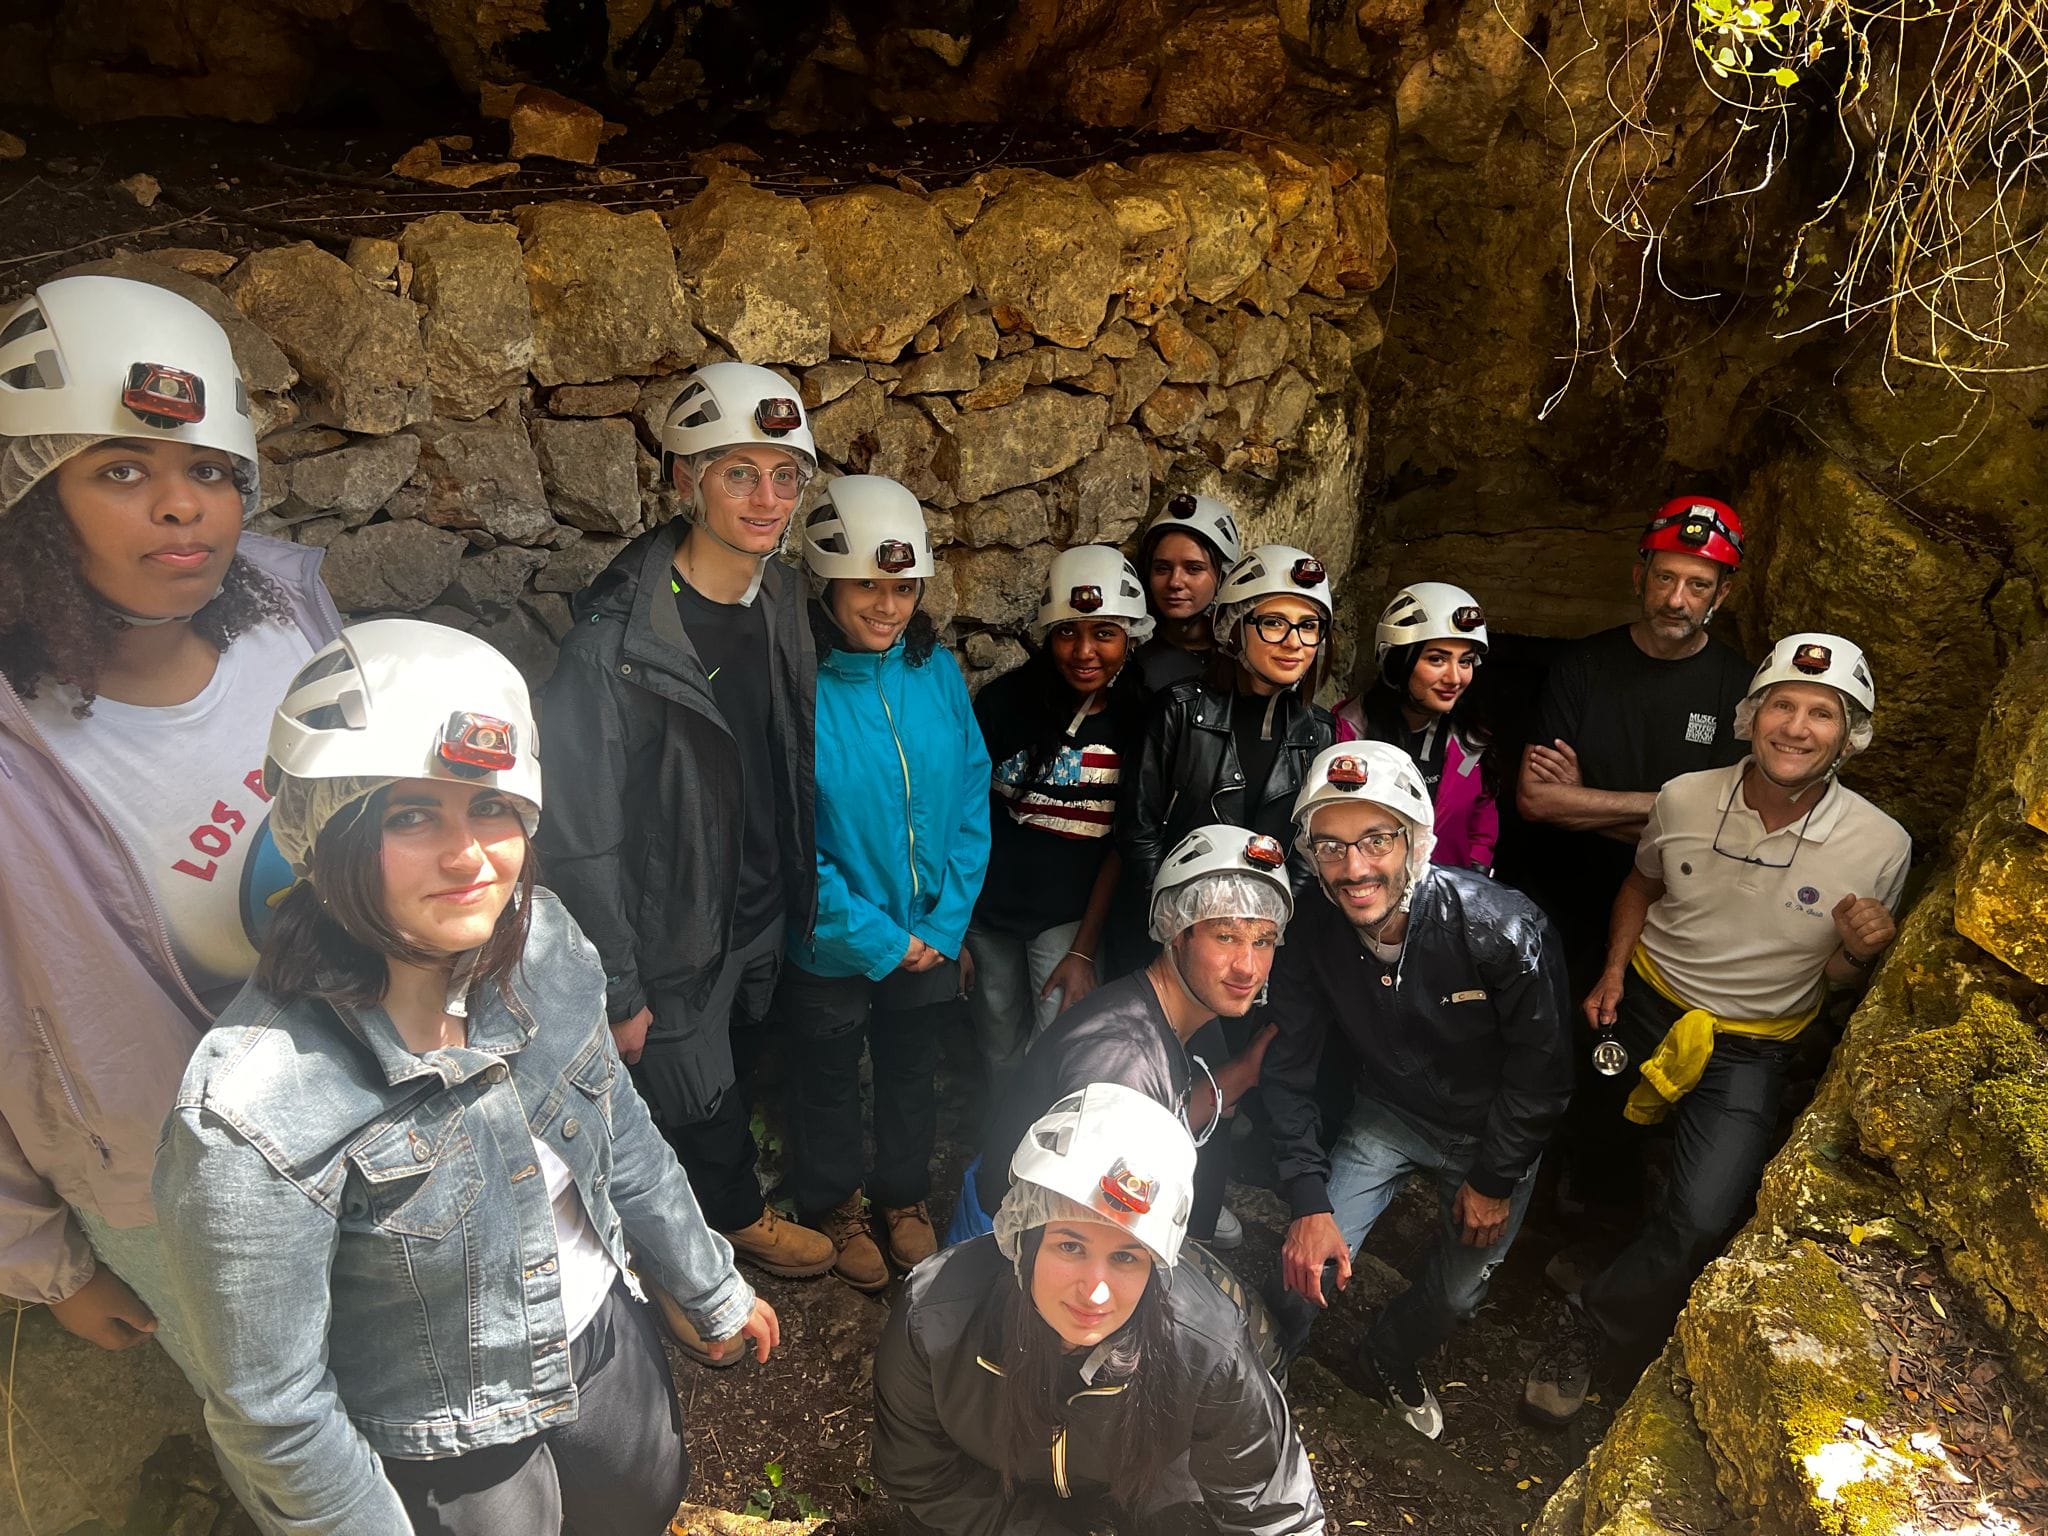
[(902, 811)]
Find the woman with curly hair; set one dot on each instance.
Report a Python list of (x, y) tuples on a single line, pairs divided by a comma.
[(144, 642), (902, 846)]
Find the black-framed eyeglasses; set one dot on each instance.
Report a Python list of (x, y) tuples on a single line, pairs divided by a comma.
[(1798, 838), (1374, 845), (1274, 628)]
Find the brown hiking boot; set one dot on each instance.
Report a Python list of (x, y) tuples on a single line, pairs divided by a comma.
[(781, 1247), (859, 1262), (687, 1338), (911, 1238)]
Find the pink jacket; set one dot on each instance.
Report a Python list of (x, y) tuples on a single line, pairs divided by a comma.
[(1467, 819), (96, 1023)]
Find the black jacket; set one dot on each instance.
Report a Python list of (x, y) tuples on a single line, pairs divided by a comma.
[(1473, 1037), (1243, 1469), (644, 792), (1188, 776)]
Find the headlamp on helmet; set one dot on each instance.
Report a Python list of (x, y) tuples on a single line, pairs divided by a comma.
[(1346, 774), (778, 415), (1125, 1189), (895, 555), (473, 745), (1084, 599), (1264, 851), (162, 396), (1308, 572)]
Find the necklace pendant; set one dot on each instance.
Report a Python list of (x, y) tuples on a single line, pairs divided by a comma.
[(1386, 981)]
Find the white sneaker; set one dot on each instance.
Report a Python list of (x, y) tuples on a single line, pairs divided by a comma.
[(1229, 1231)]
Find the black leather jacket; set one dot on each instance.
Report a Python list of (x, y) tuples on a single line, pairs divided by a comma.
[(1188, 776), (1242, 1470), (1472, 1039)]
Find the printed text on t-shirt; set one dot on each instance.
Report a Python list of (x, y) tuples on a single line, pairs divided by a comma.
[(214, 838)]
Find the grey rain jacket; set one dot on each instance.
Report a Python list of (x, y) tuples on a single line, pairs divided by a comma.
[(96, 1022), (1243, 1471), (363, 1238), (1473, 1037), (642, 836)]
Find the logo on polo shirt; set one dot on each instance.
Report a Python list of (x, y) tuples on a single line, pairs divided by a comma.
[(1700, 728), (1808, 895), (1806, 899)]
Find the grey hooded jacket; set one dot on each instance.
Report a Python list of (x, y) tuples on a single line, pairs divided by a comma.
[(96, 1023)]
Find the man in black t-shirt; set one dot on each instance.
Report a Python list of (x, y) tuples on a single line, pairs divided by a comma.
[(1621, 714), (680, 744)]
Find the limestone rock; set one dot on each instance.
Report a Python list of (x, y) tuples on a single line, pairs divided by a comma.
[(1119, 340), (1105, 496), (1016, 519), (1041, 434), (1652, 1473), (1222, 67), (424, 162), (990, 656), (495, 578), (1189, 359), (1152, 220), (195, 259), (828, 381), (839, 428), (998, 587), (1457, 99), (893, 265), (750, 262), (614, 399), (1865, 569), (1281, 408), (401, 566), (591, 472), (356, 346), (2002, 891), (1781, 1355), (479, 475), (375, 258), (1360, 252), (1002, 381), (264, 367), (1259, 347), (557, 127), (476, 320), (1047, 256), (960, 206), (1053, 365), (951, 370), (1136, 378), (605, 297), (1230, 219), (699, 1520), (353, 483), (1174, 410), (521, 639), (575, 565), (905, 444)]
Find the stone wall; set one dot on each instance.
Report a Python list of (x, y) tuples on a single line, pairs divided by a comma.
[(1844, 1369), (468, 418)]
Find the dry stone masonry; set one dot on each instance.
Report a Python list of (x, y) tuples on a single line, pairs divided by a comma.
[(468, 418)]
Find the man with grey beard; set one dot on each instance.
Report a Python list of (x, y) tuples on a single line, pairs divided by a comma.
[(1450, 990)]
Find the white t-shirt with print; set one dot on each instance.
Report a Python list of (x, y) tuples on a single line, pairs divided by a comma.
[(183, 784), (587, 1271)]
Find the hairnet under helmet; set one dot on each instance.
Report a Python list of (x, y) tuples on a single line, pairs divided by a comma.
[(1816, 657), (1220, 871)]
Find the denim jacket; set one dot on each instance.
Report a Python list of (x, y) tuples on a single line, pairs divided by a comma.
[(363, 1241)]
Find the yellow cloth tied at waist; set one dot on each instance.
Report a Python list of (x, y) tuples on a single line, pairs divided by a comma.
[(1676, 1066)]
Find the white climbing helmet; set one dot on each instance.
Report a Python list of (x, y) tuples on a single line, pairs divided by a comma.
[(398, 699), (1429, 610), (1119, 1154), (731, 405), (103, 357), (1187, 512), (1374, 772), (1269, 570), (1092, 581), (1220, 871), (867, 528), (1814, 657)]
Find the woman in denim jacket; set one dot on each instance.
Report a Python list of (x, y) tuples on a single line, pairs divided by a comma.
[(406, 1167)]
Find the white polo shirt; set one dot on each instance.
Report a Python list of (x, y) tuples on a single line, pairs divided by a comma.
[(1745, 932)]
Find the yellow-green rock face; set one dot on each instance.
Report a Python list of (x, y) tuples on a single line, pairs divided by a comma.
[(2002, 891)]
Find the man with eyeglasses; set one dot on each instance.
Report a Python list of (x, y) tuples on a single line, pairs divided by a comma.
[(1756, 889), (679, 759), (1450, 990)]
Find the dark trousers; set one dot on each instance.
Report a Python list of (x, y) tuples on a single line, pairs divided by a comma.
[(1721, 1137), (619, 1470), (716, 1147), (831, 1020)]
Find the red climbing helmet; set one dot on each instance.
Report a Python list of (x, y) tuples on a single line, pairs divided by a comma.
[(1696, 525)]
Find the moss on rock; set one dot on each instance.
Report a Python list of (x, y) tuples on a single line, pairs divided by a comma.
[(1652, 1472), (2002, 890)]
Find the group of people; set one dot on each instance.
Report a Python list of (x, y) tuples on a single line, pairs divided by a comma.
[(387, 1042)]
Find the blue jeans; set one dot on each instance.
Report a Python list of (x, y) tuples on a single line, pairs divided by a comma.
[(1377, 1151)]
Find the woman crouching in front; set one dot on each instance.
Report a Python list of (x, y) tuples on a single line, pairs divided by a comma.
[(1063, 1369), (405, 1167)]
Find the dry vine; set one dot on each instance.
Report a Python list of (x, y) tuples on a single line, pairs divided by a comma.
[(1939, 110)]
